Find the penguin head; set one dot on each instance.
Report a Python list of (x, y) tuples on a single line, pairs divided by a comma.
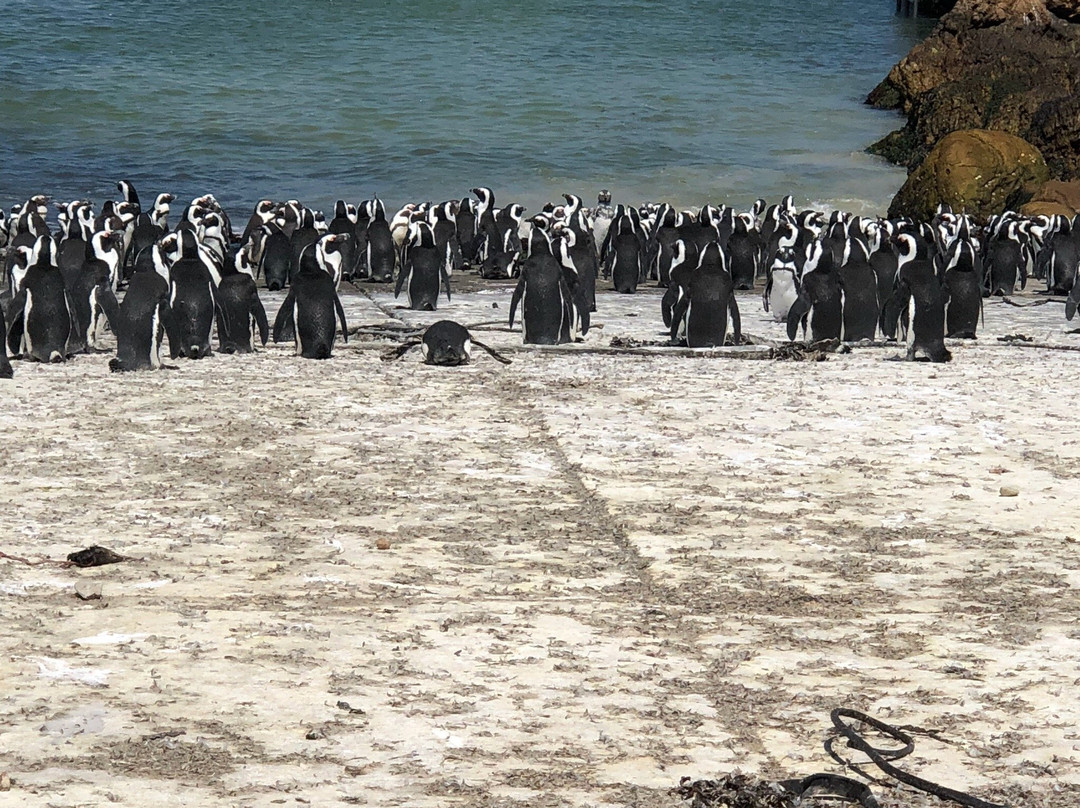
[(604, 197), (907, 247), (421, 234), (758, 208), (486, 197), (712, 259), (21, 257), (539, 242), (573, 204), (43, 254), (818, 259), (107, 244), (242, 261), (678, 254), (319, 222), (189, 244)]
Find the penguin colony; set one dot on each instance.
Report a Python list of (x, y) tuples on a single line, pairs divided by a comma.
[(828, 277)]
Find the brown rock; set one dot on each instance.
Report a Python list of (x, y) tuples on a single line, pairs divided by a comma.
[(382, 543), (1055, 198), (976, 171), (1007, 65)]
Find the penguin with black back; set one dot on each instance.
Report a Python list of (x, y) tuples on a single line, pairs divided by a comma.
[(820, 301), (742, 251), (1005, 261), (277, 264), (40, 313), (623, 257), (703, 314), (446, 344), (381, 252), (466, 230), (917, 281), (240, 312), (423, 268), (309, 311), (858, 283), (88, 286), (542, 293), (139, 321), (962, 287), (192, 302)]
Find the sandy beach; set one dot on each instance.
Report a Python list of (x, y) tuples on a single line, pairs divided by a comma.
[(604, 572)]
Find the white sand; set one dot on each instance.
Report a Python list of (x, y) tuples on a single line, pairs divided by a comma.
[(605, 573)]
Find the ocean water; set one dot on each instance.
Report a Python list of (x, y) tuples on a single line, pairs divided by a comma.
[(705, 100)]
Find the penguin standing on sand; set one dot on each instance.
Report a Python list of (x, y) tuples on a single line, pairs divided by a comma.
[(916, 281), (86, 288), (859, 286), (820, 301), (139, 322), (544, 297), (1006, 259), (423, 268), (623, 256), (192, 302), (781, 285), (381, 252), (40, 314), (310, 311), (742, 251), (240, 313), (961, 282), (702, 314)]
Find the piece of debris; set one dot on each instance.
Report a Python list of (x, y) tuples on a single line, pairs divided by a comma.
[(87, 590), (734, 790), (998, 470), (1009, 491), (95, 556), (5, 782), (382, 543), (316, 734), (344, 705)]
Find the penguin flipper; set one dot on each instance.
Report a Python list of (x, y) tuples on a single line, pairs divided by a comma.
[(446, 282), (15, 328), (341, 317), (768, 289), (519, 292), (284, 316), (895, 307), (399, 351), (799, 309), (678, 313), (107, 301), (259, 313), (402, 275), (1073, 299), (736, 320), (495, 354)]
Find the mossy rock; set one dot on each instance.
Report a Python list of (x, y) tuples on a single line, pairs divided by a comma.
[(978, 171), (1055, 198)]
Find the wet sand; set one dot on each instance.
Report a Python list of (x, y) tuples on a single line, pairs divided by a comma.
[(604, 572)]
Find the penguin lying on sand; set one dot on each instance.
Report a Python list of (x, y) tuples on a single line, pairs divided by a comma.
[(444, 343)]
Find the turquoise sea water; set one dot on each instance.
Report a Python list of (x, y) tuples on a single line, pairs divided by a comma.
[(688, 102)]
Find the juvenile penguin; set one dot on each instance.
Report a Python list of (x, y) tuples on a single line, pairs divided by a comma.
[(546, 306), (916, 280), (309, 310), (423, 268), (820, 301), (704, 310)]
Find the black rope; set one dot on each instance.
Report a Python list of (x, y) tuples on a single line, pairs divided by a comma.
[(881, 757)]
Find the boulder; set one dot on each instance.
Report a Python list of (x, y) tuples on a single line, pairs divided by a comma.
[(1007, 65), (978, 171), (1055, 198)]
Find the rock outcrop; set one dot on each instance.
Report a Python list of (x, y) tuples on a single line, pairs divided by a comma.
[(1055, 198), (1006, 65), (976, 171)]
